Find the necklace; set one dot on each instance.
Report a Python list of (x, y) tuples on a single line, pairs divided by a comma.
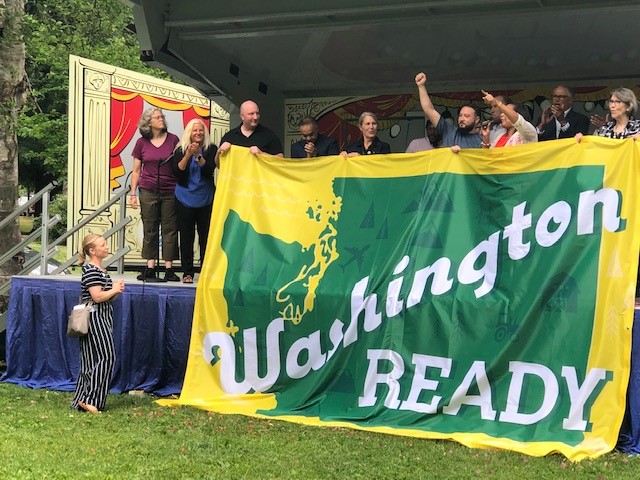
[(619, 134)]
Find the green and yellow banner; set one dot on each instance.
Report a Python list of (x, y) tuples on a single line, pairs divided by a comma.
[(485, 297)]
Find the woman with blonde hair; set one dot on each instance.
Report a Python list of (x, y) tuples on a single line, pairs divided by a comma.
[(153, 174), (193, 165), (97, 352)]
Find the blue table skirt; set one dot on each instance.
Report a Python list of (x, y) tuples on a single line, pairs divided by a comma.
[(152, 327)]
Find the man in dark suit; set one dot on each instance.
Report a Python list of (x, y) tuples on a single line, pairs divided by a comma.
[(560, 120), (313, 144)]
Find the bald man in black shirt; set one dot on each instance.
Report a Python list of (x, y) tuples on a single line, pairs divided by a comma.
[(251, 134)]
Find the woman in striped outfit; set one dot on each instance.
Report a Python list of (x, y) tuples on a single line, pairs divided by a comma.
[(97, 352)]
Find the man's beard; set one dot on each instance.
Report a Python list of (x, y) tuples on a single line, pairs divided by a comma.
[(466, 129)]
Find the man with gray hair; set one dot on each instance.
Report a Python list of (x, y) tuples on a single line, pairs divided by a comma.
[(560, 120)]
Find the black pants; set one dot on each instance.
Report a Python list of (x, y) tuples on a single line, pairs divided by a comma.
[(188, 219)]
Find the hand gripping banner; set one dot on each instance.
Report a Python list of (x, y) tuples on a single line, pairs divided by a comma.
[(485, 297)]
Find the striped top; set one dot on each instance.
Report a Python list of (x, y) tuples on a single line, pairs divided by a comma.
[(93, 276)]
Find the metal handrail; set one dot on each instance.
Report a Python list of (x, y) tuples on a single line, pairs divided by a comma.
[(120, 253), (116, 257), (32, 201), (88, 219), (49, 249), (33, 236), (43, 231), (31, 264)]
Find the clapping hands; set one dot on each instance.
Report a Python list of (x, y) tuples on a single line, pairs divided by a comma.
[(597, 121)]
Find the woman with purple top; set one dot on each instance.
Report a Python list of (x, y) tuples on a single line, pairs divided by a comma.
[(153, 175)]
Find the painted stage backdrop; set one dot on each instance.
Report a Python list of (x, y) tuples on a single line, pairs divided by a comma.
[(400, 118), (485, 297), (105, 104)]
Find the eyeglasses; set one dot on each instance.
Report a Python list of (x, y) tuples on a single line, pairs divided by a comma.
[(308, 135), (157, 117), (615, 102), (561, 97)]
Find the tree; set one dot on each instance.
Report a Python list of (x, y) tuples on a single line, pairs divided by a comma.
[(12, 88), (100, 30)]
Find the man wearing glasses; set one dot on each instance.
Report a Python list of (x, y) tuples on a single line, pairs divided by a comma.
[(559, 120), (313, 144)]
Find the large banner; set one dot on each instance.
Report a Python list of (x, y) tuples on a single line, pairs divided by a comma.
[(485, 296)]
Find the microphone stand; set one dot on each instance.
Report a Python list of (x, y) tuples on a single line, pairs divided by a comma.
[(156, 276)]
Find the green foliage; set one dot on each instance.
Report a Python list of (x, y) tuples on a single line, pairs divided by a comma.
[(135, 438), (53, 30), (59, 207)]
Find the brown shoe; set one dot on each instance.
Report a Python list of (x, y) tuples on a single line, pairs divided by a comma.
[(88, 408)]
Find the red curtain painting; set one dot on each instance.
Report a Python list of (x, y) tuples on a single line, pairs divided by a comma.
[(126, 109)]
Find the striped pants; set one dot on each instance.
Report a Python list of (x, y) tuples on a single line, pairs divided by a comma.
[(97, 357)]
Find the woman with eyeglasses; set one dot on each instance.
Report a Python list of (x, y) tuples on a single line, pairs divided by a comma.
[(623, 105), (153, 174)]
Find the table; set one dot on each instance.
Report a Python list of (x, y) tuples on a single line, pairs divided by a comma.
[(152, 328)]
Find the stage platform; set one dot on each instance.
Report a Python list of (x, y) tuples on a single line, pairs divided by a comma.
[(152, 327)]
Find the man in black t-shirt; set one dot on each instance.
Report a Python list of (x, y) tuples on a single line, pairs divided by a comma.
[(251, 134)]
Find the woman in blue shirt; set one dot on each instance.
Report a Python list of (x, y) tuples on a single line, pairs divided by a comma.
[(193, 165)]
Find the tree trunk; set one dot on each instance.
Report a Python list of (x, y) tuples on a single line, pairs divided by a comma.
[(12, 97)]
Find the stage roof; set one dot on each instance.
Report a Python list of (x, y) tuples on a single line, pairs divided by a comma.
[(277, 49)]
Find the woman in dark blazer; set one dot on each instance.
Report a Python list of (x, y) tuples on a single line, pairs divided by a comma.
[(369, 143)]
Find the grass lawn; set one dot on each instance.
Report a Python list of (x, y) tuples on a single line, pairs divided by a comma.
[(40, 437), (60, 256)]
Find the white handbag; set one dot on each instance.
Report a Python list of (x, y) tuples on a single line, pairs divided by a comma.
[(78, 325)]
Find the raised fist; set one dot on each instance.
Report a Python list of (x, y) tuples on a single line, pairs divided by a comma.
[(421, 79)]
